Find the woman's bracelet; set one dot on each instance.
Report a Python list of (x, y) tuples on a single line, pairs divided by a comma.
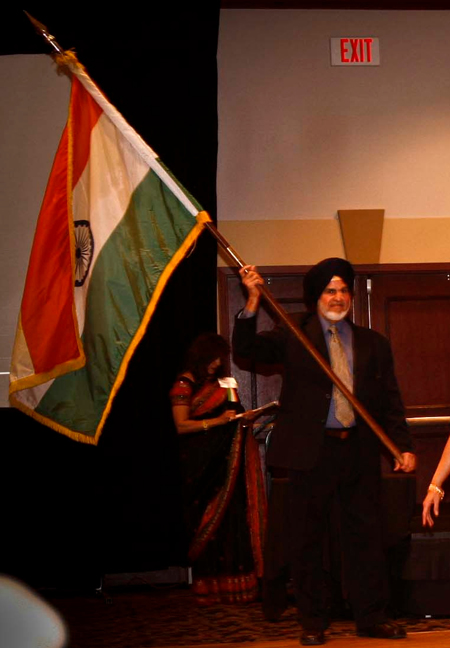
[(436, 489), (205, 424)]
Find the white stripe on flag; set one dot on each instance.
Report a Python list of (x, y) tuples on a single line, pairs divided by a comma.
[(32, 397), (103, 193), (136, 141)]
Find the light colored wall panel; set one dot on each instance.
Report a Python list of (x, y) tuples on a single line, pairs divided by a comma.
[(300, 139), (304, 242), (415, 240), (283, 242)]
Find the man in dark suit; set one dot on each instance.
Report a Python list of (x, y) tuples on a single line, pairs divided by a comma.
[(326, 448)]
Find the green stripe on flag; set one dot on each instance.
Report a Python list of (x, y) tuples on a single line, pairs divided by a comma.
[(124, 278)]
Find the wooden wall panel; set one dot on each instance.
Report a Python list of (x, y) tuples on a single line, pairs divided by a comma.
[(413, 311)]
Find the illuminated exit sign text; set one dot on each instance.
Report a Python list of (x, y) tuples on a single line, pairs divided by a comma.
[(352, 51)]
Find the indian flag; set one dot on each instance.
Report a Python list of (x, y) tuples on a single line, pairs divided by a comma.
[(113, 226)]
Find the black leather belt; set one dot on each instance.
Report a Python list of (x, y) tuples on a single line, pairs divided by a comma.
[(339, 433)]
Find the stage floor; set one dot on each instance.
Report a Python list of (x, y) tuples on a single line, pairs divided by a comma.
[(435, 639), (164, 617)]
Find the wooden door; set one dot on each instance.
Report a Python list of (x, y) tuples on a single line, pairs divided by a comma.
[(412, 309)]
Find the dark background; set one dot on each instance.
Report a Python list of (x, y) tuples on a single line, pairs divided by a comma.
[(73, 512)]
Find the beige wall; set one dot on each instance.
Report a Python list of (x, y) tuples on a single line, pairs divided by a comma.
[(304, 242), (299, 139)]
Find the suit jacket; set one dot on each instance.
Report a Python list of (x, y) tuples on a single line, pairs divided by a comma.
[(306, 390)]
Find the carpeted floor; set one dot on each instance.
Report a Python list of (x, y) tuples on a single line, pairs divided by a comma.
[(170, 617)]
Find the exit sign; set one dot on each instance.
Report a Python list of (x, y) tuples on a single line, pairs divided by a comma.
[(353, 50)]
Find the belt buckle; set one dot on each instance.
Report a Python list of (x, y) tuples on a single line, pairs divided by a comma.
[(338, 433)]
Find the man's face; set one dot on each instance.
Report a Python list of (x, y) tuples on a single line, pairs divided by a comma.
[(335, 301)]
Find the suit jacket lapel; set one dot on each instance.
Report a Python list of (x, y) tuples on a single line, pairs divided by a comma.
[(313, 330)]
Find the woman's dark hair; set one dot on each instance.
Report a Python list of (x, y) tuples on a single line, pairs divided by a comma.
[(203, 350)]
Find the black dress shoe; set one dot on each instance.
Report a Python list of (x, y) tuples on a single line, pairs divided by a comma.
[(387, 630), (312, 638)]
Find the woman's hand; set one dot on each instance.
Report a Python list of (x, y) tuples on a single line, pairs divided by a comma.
[(226, 417), (185, 425), (430, 504), (435, 493)]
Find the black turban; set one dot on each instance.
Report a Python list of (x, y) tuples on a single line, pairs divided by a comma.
[(320, 275)]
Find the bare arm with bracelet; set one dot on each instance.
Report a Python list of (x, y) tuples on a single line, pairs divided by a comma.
[(435, 491)]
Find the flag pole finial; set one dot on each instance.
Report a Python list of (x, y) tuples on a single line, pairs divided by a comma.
[(43, 31)]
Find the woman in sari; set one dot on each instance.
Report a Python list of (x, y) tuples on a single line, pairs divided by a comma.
[(223, 485)]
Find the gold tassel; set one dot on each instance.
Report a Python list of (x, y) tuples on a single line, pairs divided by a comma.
[(67, 60)]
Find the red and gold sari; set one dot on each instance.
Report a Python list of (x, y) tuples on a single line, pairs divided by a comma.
[(224, 494)]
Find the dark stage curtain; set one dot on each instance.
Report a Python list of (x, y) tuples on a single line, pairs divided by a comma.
[(73, 512)]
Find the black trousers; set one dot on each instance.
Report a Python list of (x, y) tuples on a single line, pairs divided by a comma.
[(339, 472)]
